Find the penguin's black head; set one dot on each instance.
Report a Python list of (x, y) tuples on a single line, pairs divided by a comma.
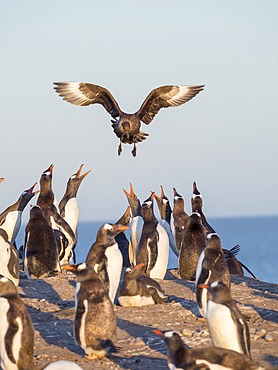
[(26, 196), (7, 287), (134, 202), (147, 208), (83, 271), (107, 233), (133, 271), (46, 177), (175, 346), (163, 206), (194, 220), (218, 290), (35, 212), (213, 241), (125, 219), (196, 200), (75, 180)]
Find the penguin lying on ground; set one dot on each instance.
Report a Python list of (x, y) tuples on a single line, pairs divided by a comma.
[(227, 326), (153, 248), (207, 358), (211, 267), (136, 224), (10, 219), (16, 329), (9, 259), (95, 321), (106, 258), (69, 211), (139, 290), (127, 126), (165, 214)]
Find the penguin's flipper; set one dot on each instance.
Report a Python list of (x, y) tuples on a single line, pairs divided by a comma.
[(247, 269), (10, 335), (242, 328), (67, 230), (130, 254), (157, 296), (203, 279), (152, 251)]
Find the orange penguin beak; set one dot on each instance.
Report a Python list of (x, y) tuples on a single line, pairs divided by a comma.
[(158, 332), (84, 174), (122, 228), (69, 268), (204, 286), (32, 188), (140, 265)]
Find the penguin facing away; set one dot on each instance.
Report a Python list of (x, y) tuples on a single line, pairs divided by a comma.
[(228, 327), (40, 249), (205, 358), (9, 261), (165, 214), (211, 267), (69, 210), (153, 248), (10, 219), (139, 290), (121, 238), (95, 321), (193, 243), (106, 259), (136, 224), (180, 218), (16, 329)]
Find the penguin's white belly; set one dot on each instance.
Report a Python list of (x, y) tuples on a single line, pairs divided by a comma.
[(199, 268), (62, 365), (16, 340), (212, 366), (160, 267), (72, 214), (12, 225), (6, 255), (114, 269), (135, 234), (135, 301), (222, 328), (171, 238)]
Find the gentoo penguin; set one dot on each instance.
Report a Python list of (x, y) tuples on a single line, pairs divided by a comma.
[(235, 266), (46, 202), (121, 238), (10, 219), (136, 224), (207, 358), (9, 261), (106, 258), (193, 243), (165, 214), (180, 218), (62, 365), (153, 248), (227, 326), (211, 267), (69, 210), (139, 290), (16, 329), (95, 321), (40, 249), (127, 126)]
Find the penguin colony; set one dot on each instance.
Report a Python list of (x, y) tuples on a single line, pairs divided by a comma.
[(50, 241)]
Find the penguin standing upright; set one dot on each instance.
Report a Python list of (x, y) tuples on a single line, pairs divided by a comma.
[(69, 210), (9, 261), (206, 358), (165, 214), (40, 249), (121, 238), (180, 218), (136, 224), (16, 329), (153, 248), (211, 267), (46, 203), (95, 321), (227, 326), (139, 290), (193, 243), (106, 258), (10, 219)]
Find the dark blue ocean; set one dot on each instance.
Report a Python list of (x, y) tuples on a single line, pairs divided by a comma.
[(257, 237)]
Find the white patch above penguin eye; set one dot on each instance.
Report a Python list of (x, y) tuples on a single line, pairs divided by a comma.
[(108, 227), (214, 284), (128, 269), (4, 279), (25, 192), (73, 177), (48, 173), (148, 203), (212, 234), (196, 196), (81, 267), (165, 201), (196, 213), (169, 334)]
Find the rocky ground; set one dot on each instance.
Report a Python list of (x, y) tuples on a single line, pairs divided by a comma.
[(139, 348)]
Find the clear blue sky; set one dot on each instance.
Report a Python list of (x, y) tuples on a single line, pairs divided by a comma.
[(225, 139)]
